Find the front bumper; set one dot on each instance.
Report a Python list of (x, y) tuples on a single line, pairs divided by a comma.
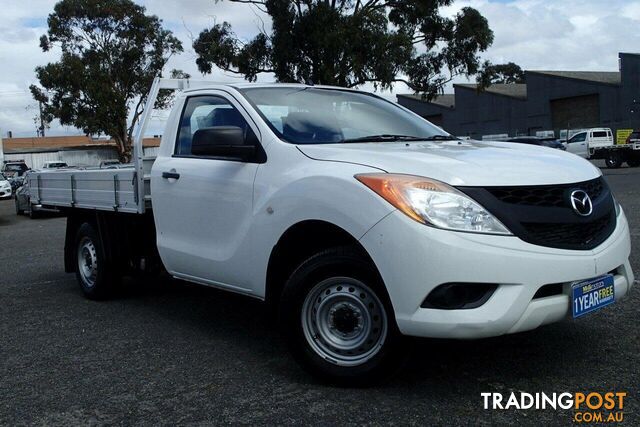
[(5, 193), (413, 259)]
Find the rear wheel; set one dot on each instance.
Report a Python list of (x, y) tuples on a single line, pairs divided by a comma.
[(633, 163), (338, 322), (613, 160), (97, 278)]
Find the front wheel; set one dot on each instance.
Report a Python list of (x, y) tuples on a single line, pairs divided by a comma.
[(97, 278), (338, 321)]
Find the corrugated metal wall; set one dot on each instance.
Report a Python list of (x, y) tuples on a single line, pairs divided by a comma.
[(151, 151), (86, 158)]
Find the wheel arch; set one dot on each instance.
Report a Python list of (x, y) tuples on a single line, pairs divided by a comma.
[(124, 238), (299, 242)]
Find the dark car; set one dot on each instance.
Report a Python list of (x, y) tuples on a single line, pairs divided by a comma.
[(22, 198), (16, 182), (24, 205), (634, 137), (534, 140)]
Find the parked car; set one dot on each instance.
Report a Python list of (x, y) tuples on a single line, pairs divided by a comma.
[(5, 188), (22, 200), (24, 206), (106, 164), (634, 137), (554, 143), (541, 141), (358, 219), (54, 165), (16, 182), (14, 168)]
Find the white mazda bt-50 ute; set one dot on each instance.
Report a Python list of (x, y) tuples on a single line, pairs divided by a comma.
[(361, 221)]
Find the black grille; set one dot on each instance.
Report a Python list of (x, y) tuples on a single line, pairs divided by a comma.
[(545, 195), (542, 215), (578, 235)]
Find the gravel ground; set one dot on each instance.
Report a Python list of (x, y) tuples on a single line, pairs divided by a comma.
[(177, 353)]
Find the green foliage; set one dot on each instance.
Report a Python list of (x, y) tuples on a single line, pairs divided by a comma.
[(111, 52), (351, 42), (500, 74)]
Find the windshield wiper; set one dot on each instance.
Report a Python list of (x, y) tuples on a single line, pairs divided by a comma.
[(384, 138), (391, 138)]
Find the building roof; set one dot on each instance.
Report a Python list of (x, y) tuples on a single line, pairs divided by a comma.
[(512, 90), (606, 77), (447, 100), (54, 143)]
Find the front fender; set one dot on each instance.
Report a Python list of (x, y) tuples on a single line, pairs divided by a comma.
[(310, 190)]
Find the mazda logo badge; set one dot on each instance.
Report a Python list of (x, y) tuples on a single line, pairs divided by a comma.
[(581, 203)]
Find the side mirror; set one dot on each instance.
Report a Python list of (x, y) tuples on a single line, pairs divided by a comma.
[(222, 141)]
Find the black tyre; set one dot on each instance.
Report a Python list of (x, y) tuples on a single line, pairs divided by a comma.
[(338, 322), (33, 214), (97, 278), (633, 163), (613, 160)]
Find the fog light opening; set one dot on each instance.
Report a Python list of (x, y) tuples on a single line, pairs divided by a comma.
[(459, 296)]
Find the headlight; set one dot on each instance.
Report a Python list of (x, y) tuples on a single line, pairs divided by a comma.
[(433, 203)]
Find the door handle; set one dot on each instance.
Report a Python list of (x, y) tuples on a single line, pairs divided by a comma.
[(170, 175)]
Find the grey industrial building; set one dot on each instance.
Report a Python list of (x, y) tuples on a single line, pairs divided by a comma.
[(550, 100)]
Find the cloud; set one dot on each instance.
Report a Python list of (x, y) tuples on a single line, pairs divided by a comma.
[(537, 34), (563, 35)]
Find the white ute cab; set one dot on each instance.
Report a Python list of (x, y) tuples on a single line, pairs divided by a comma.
[(361, 221), (585, 144)]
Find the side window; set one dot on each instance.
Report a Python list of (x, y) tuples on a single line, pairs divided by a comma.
[(578, 138), (204, 112)]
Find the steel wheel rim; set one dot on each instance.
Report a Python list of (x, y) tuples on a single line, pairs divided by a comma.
[(344, 321), (87, 261)]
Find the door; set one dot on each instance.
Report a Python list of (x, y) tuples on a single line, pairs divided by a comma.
[(578, 145), (203, 205)]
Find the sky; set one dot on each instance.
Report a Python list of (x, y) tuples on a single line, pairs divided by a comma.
[(536, 34)]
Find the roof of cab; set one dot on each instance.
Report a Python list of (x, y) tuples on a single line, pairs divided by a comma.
[(245, 85)]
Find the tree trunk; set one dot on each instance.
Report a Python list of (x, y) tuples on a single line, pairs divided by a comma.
[(123, 145)]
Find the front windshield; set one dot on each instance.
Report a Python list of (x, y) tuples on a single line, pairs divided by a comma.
[(328, 116)]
